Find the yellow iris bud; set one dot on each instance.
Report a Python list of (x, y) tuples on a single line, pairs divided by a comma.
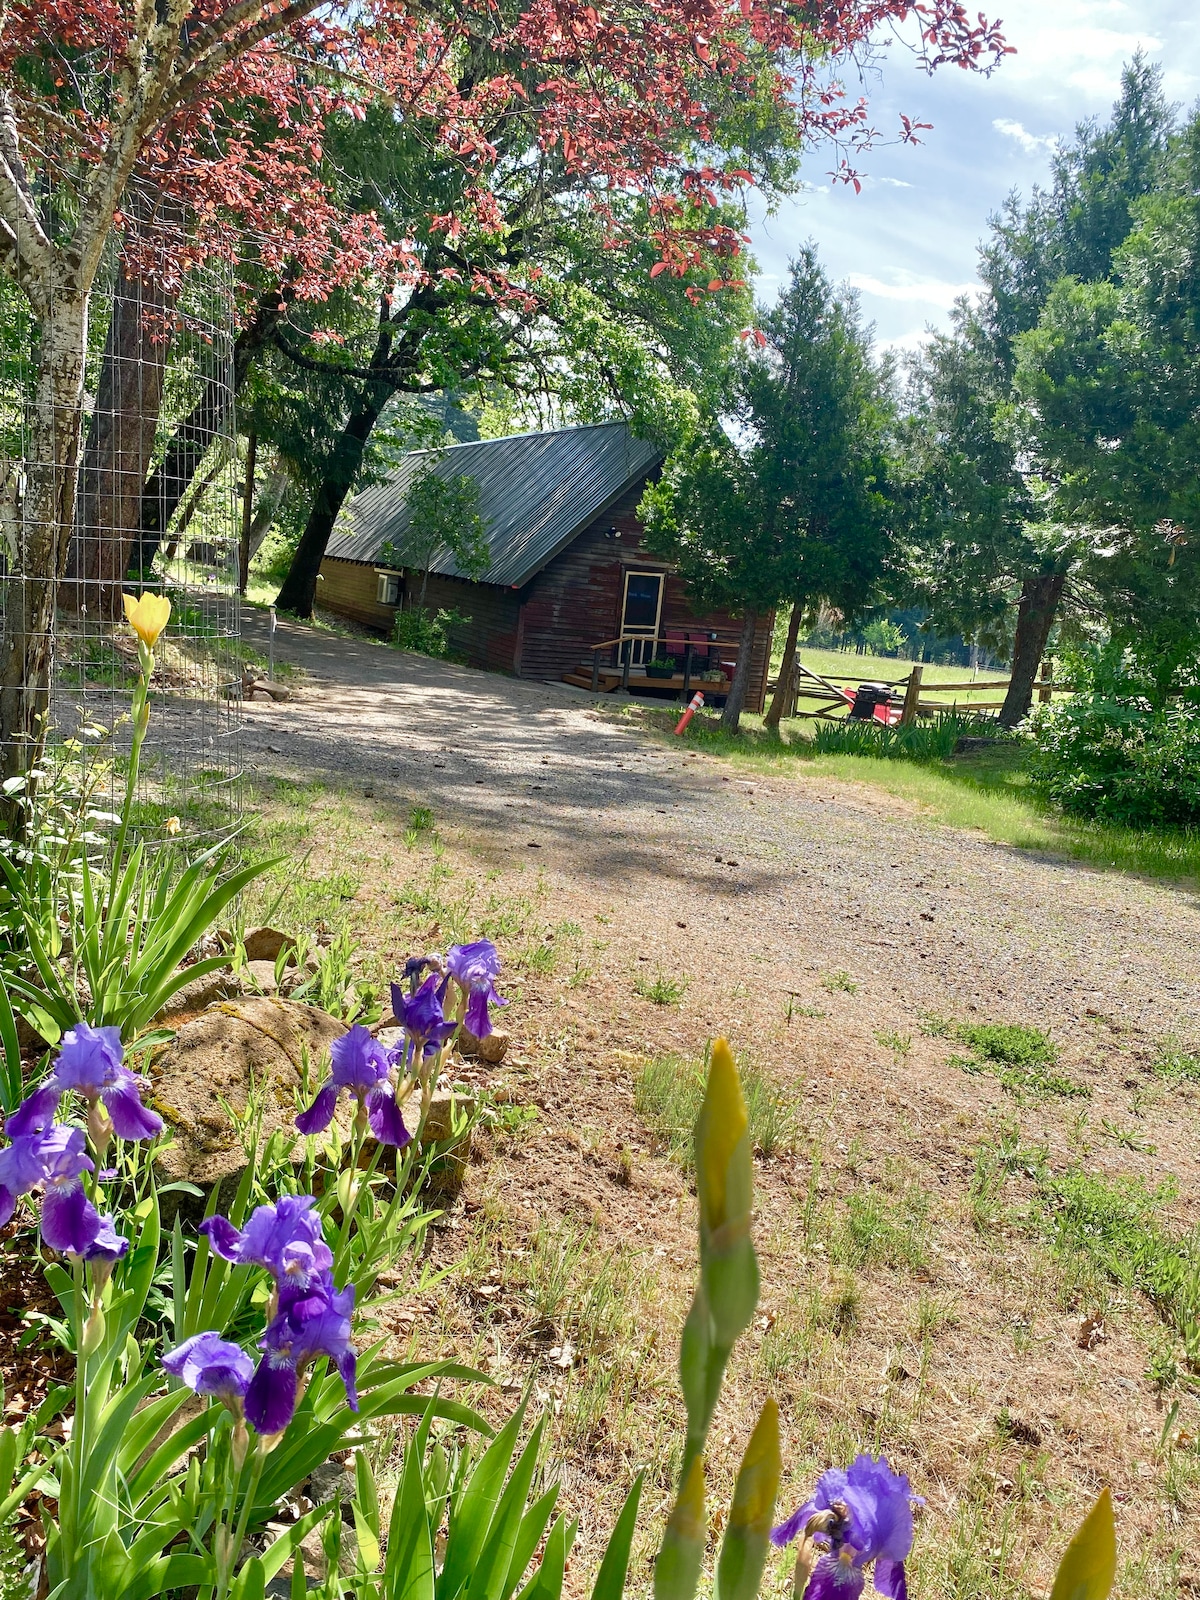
[(723, 1125), (147, 616)]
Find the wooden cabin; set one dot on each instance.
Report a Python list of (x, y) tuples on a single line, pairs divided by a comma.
[(571, 593)]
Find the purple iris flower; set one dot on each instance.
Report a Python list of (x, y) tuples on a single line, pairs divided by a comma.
[(35, 1114), (475, 967), (70, 1222), (90, 1062), (361, 1064), (286, 1238), (108, 1246), (21, 1168), (869, 1518), (422, 1017), (317, 1324), (211, 1365)]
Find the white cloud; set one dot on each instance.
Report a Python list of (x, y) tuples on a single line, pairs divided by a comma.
[(1031, 143), (916, 291)]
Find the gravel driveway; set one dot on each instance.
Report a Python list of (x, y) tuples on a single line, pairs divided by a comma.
[(778, 881)]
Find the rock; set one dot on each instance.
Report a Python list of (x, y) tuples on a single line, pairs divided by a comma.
[(199, 994), (264, 944), (494, 1048), (214, 1058), (258, 977), (438, 1124)]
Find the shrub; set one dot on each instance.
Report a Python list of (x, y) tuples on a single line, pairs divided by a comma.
[(1119, 750), (426, 632)]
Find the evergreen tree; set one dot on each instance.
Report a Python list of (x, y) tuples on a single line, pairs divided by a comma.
[(789, 503), (990, 535)]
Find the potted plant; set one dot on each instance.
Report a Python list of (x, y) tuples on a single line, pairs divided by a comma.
[(661, 667)]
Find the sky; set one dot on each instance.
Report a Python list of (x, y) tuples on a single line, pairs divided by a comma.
[(908, 242)]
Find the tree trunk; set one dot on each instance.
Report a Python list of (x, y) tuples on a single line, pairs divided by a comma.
[(26, 652), (299, 589), (192, 439), (269, 502), (1038, 606), (736, 697), (782, 698), (119, 448)]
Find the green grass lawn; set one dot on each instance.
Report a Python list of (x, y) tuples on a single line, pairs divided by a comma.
[(988, 792)]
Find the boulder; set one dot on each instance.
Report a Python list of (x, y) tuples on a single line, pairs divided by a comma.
[(215, 1058), (264, 944)]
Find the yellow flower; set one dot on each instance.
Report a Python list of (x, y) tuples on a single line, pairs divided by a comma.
[(172, 825), (147, 616)]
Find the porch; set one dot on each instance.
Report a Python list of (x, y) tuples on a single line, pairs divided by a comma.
[(674, 665)]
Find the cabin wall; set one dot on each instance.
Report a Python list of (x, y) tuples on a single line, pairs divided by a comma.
[(489, 636), (575, 602), (349, 588)]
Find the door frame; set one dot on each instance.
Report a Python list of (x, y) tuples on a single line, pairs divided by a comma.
[(640, 638)]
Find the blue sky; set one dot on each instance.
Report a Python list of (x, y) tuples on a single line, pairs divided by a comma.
[(907, 243)]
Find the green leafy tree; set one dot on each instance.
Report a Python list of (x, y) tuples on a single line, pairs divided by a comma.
[(791, 503), (1112, 375), (443, 516), (993, 547)]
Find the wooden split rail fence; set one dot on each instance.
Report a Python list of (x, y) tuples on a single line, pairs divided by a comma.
[(831, 693)]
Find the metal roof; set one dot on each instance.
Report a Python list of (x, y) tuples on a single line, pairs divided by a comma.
[(536, 492)]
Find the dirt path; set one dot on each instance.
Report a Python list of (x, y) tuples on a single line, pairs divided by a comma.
[(809, 877), (818, 927)]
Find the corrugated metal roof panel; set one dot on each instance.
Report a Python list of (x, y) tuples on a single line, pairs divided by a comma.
[(536, 492)]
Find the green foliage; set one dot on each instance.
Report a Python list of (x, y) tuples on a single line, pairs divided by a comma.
[(426, 633), (444, 519), (661, 990), (799, 508), (1021, 1057), (1120, 749), (924, 740)]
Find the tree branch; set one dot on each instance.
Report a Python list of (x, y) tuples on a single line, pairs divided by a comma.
[(23, 242)]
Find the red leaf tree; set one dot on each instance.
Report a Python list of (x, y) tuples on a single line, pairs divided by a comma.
[(194, 128)]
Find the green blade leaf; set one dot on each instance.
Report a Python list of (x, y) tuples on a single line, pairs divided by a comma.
[(1089, 1568), (614, 1568), (408, 1574), (472, 1519), (547, 1581), (677, 1570)]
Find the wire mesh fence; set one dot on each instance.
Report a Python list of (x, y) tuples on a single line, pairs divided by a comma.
[(156, 508)]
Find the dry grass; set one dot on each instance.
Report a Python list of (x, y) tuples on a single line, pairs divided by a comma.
[(922, 1293)]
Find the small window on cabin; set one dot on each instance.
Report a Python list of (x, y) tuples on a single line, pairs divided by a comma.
[(388, 590)]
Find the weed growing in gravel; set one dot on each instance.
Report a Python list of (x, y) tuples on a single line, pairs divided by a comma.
[(1175, 1063), (420, 819), (1021, 1058), (661, 990), (839, 982)]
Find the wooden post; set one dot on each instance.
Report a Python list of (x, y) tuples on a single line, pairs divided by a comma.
[(595, 671), (1045, 695), (912, 695), (247, 513), (687, 671), (626, 654)]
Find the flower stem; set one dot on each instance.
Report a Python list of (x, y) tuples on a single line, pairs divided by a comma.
[(140, 722)]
